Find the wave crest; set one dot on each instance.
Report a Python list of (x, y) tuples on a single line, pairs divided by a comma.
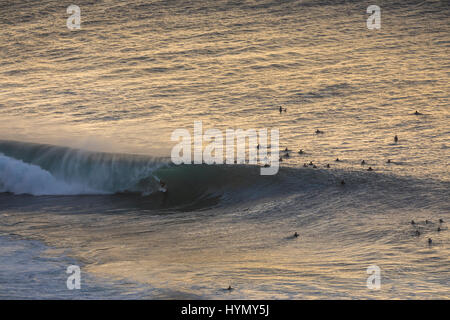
[(19, 177)]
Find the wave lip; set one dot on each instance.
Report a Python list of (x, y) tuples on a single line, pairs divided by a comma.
[(19, 177), (40, 169)]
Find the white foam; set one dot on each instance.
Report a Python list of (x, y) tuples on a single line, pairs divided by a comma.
[(19, 177)]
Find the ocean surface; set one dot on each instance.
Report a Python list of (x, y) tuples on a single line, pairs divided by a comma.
[(86, 118)]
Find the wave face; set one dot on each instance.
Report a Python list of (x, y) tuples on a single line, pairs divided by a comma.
[(19, 177), (38, 169)]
